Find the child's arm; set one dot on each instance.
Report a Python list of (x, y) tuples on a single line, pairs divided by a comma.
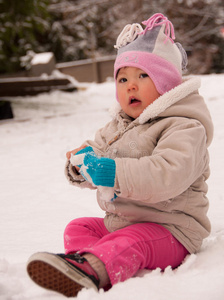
[(72, 171), (178, 160)]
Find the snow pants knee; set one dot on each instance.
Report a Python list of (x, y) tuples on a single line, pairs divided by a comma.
[(127, 250)]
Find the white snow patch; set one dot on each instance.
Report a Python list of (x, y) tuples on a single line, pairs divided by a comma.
[(42, 58)]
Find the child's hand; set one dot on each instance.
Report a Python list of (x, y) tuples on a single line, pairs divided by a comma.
[(100, 170), (97, 170), (68, 154), (77, 159), (73, 152)]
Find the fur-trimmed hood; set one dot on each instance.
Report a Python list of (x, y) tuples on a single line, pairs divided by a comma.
[(185, 106)]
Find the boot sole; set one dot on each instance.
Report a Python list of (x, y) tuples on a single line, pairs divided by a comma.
[(54, 273)]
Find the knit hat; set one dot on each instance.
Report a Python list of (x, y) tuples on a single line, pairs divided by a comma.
[(152, 50)]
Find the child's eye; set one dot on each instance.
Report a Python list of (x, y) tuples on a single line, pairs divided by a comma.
[(122, 80), (143, 75)]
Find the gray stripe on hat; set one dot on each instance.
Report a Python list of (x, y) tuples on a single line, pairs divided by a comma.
[(144, 43)]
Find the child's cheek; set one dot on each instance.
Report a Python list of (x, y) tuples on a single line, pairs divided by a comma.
[(121, 94)]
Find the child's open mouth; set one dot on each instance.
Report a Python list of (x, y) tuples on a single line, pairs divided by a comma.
[(133, 101)]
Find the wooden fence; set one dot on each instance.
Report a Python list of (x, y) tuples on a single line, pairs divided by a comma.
[(89, 70), (22, 86), (31, 83)]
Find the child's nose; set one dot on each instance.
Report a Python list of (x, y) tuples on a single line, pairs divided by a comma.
[(132, 86)]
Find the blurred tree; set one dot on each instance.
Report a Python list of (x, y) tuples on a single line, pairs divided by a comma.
[(84, 26), (79, 29), (24, 26), (90, 27), (198, 26)]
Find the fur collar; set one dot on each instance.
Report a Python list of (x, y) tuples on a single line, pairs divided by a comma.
[(188, 86)]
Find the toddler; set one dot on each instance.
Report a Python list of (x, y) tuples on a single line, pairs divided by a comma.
[(149, 165)]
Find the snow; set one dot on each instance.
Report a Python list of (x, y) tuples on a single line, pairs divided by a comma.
[(42, 58), (37, 202)]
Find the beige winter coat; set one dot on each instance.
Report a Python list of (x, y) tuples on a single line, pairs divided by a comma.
[(162, 164)]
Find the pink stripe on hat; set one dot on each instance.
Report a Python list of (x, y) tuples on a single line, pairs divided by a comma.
[(162, 72)]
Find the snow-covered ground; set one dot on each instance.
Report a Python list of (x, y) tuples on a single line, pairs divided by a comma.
[(37, 201)]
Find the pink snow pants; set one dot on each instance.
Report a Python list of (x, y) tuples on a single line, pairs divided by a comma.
[(127, 250)]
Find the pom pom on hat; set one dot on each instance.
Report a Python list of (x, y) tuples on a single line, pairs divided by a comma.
[(152, 50)]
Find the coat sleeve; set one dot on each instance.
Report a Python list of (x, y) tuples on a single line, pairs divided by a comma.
[(98, 144), (75, 178), (178, 159)]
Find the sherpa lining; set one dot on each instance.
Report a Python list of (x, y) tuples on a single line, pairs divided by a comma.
[(188, 86)]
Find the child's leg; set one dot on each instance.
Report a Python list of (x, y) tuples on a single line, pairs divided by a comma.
[(138, 246), (83, 232), (109, 257)]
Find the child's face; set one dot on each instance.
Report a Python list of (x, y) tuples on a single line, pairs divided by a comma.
[(135, 91)]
